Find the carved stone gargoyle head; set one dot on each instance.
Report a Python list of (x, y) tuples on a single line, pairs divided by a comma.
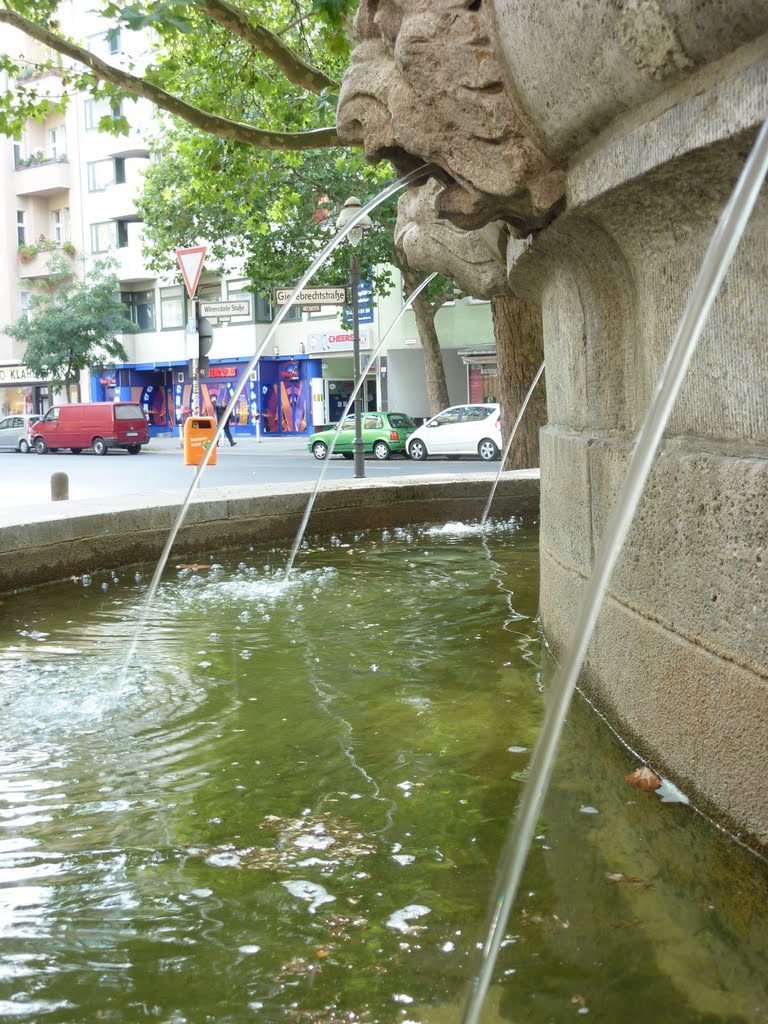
[(426, 87)]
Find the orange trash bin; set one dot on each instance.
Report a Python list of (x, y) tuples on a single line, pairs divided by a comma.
[(198, 435)]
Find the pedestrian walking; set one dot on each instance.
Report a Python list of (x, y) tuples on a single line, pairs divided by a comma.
[(219, 412)]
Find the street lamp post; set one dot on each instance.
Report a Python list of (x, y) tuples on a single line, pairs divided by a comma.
[(363, 227)]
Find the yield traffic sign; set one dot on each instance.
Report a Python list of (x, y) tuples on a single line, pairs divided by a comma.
[(191, 263)]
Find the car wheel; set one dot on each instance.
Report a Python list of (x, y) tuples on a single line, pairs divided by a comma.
[(488, 450), (381, 451), (347, 455), (100, 446), (133, 449), (320, 450), (417, 450), (75, 451), (24, 446), (40, 446)]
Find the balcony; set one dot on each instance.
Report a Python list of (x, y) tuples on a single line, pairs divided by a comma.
[(41, 177), (34, 258)]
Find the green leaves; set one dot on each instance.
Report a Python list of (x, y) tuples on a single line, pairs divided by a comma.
[(72, 324)]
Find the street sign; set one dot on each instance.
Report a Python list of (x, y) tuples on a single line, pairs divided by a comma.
[(312, 296), (237, 307), (191, 263)]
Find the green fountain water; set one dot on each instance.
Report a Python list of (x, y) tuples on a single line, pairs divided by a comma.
[(291, 809)]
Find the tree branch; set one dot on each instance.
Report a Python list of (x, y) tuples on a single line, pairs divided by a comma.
[(292, 66), (213, 124)]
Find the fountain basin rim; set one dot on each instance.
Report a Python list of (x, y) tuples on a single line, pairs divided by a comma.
[(45, 543)]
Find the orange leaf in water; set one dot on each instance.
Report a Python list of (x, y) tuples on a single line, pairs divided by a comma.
[(194, 566), (644, 779)]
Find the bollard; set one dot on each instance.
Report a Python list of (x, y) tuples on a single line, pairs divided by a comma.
[(59, 487)]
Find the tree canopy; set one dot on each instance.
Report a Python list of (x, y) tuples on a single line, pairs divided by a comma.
[(263, 65), (72, 323)]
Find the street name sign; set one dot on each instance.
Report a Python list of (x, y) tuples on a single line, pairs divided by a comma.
[(237, 307), (312, 296)]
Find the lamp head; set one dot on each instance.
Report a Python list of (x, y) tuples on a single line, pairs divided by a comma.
[(350, 210)]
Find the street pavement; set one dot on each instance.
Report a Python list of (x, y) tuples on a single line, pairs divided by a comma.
[(26, 479)]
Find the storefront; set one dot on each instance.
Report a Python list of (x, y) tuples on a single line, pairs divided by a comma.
[(482, 373), (151, 386), (23, 393)]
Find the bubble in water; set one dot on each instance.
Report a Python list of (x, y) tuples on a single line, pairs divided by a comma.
[(242, 565), (244, 616), (86, 581), (245, 655), (214, 637), (105, 586), (138, 577)]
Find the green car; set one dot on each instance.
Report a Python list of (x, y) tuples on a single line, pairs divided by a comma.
[(383, 433)]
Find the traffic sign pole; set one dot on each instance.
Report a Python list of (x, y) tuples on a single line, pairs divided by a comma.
[(191, 263)]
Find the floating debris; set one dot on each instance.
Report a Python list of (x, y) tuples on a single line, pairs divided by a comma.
[(617, 878), (399, 920), (643, 778), (312, 893), (194, 566), (335, 837)]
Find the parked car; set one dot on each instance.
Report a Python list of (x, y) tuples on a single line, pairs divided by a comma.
[(15, 432), (97, 425), (460, 430), (383, 433)]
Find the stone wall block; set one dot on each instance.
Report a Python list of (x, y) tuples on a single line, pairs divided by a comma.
[(695, 557), (566, 501), (696, 717)]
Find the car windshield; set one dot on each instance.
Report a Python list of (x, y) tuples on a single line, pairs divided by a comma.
[(400, 420)]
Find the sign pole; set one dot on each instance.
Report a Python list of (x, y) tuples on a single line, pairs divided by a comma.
[(191, 264)]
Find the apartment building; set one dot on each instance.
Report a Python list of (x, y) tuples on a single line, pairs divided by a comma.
[(70, 187)]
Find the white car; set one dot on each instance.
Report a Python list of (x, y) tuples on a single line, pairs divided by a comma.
[(14, 432), (460, 430)]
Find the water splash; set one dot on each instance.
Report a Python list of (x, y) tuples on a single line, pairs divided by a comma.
[(358, 384), (717, 260), (508, 445), (385, 194)]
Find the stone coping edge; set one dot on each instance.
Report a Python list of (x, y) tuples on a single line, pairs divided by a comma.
[(43, 544)]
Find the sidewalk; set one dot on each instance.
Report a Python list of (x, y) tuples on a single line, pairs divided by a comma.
[(246, 443)]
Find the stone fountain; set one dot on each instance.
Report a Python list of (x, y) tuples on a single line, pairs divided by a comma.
[(583, 154)]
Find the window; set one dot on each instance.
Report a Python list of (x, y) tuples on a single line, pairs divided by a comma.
[(240, 291), (95, 110), (141, 308), (57, 226), (171, 308), (210, 292), (24, 297), (447, 417), (262, 308), (475, 413), (122, 234), (56, 144), (103, 173), (21, 226), (103, 236), (113, 41), (372, 423)]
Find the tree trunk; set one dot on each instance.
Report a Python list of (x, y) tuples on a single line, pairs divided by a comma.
[(437, 388), (519, 338)]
